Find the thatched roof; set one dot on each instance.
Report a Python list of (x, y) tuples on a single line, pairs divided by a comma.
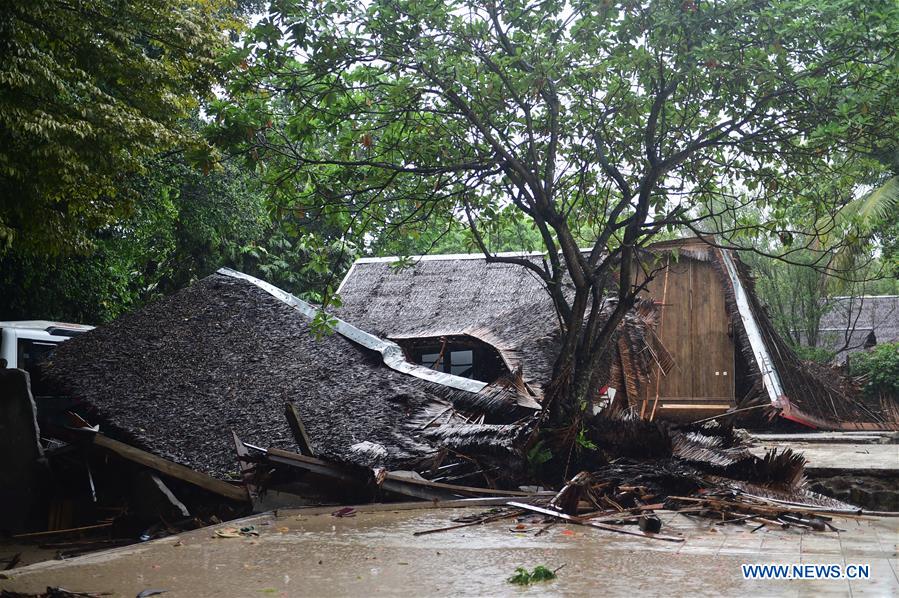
[(176, 376), (854, 321), (501, 304)]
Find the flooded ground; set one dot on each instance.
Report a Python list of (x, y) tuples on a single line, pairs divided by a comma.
[(312, 553)]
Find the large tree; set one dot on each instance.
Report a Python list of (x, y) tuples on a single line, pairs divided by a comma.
[(89, 89), (607, 122)]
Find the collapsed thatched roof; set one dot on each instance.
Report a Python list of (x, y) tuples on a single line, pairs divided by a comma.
[(177, 375), (810, 394), (501, 304)]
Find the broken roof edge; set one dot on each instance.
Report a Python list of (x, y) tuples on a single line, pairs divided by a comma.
[(391, 353), (770, 376)]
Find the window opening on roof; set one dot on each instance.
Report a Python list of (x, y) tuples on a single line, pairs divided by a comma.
[(459, 356), (458, 362), (462, 363)]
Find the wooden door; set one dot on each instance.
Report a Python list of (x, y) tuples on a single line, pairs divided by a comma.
[(694, 329)]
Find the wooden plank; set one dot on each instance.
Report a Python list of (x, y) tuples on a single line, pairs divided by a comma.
[(170, 468), (456, 489), (715, 377), (391, 482), (381, 507), (362, 477), (298, 429), (675, 330), (246, 467), (317, 466), (603, 526), (59, 532), (659, 373), (709, 406)]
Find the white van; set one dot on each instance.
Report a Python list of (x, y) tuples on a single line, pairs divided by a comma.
[(24, 343)]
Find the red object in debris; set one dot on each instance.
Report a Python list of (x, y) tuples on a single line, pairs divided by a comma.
[(344, 512)]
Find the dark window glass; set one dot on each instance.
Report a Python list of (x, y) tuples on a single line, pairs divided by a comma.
[(465, 371), (458, 363), (461, 363), (430, 360), (31, 352), (462, 357)]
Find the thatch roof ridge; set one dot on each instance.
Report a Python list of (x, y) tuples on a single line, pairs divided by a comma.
[(390, 352)]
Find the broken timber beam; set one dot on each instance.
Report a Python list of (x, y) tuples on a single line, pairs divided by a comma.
[(245, 466), (391, 482), (298, 429), (314, 465), (345, 474), (170, 468), (398, 481)]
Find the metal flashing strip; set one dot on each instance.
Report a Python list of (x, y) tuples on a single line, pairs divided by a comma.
[(391, 353), (437, 257), (346, 277), (770, 377)]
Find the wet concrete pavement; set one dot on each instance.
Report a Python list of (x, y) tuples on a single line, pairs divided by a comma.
[(840, 457), (311, 553)]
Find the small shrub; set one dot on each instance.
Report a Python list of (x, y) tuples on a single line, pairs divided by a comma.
[(816, 354), (880, 366)]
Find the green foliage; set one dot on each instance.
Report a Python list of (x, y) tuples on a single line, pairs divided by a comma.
[(88, 91), (400, 124), (385, 105), (185, 225), (816, 354), (537, 455), (322, 324), (582, 441), (540, 573), (880, 367)]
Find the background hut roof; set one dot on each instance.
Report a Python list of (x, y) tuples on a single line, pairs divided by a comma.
[(501, 304), (177, 375), (857, 318)]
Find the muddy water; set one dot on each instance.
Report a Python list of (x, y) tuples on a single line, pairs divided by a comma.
[(375, 553)]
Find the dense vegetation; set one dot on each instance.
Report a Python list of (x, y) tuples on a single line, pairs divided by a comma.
[(880, 370)]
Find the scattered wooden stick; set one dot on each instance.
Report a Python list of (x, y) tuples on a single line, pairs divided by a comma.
[(545, 528), (470, 524), (59, 532), (769, 509), (579, 521)]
